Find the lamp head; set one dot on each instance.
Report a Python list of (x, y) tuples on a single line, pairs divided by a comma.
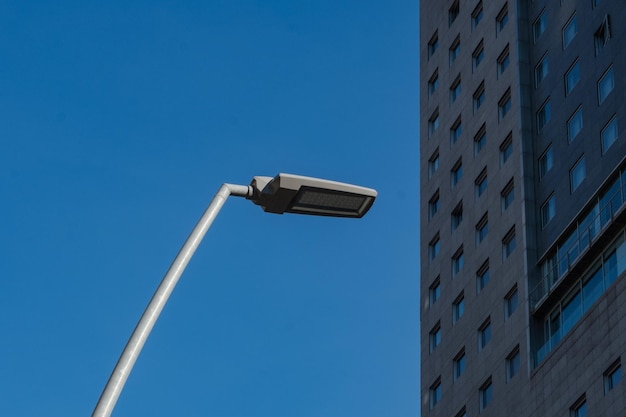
[(287, 193)]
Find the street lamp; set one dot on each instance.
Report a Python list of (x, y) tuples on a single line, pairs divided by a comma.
[(285, 193)]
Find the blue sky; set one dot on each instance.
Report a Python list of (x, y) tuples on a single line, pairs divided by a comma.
[(119, 121)]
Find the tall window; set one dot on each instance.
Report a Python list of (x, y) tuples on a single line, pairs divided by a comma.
[(609, 134), (485, 394), (510, 302), (457, 262), (478, 55), (482, 276), (479, 96), (504, 104), (539, 26), (459, 364), (508, 195), (433, 44), (506, 148), (433, 247), (435, 336), (433, 122), (458, 307), (433, 82), (605, 85), (457, 216), (508, 243), (484, 334), (512, 363), (502, 19), (541, 70), (456, 173), (433, 205), (503, 60), (572, 76), (433, 163), (577, 174), (455, 131), (602, 35), (453, 12), (612, 377), (481, 183), (569, 31), (545, 162), (434, 291), (480, 139), (477, 14), (579, 409), (455, 89), (455, 50), (548, 211), (575, 124), (482, 228), (544, 115), (435, 393)]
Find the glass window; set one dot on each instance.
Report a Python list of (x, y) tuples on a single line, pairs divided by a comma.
[(433, 247), (571, 309), (453, 12), (435, 337), (543, 115), (512, 364), (455, 131), (433, 122), (484, 334), (539, 26), (485, 394), (457, 262), (478, 55), (433, 205), (506, 148), (572, 76), (548, 211), (458, 308), (569, 31), (479, 96), (434, 291), (455, 90), (481, 183), (609, 134), (579, 409), (433, 83), (575, 124), (541, 70), (455, 50), (480, 139), (503, 18), (457, 173), (545, 162), (605, 85), (477, 14), (435, 393), (482, 228), (504, 105), (577, 174), (612, 377), (593, 286), (459, 364), (503, 60), (457, 216), (433, 163), (510, 302), (508, 195), (602, 35), (508, 244), (433, 44), (482, 276)]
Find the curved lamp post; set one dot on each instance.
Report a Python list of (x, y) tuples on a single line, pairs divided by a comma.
[(285, 193)]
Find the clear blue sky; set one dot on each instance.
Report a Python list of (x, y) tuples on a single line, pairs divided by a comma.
[(119, 120)]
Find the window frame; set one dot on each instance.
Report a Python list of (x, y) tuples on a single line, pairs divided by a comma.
[(502, 18), (504, 104), (601, 96), (539, 22), (503, 60), (455, 49), (511, 302), (544, 115), (478, 55), (434, 291), (573, 173), (484, 334), (481, 183), (575, 124), (570, 83), (458, 307), (508, 194), (456, 173), (506, 148), (459, 364), (434, 204), (513, 363), (480, 139), (613, 126), (614, 371), (456, 130), (457, 262), (434, 337), (548, 157), (482, 228), (509, 243), (482, 276), (567, 40), (542, 69)]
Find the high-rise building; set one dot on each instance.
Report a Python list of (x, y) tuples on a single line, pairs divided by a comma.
[(523, 196)]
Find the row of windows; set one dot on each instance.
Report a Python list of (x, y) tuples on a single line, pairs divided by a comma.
[(485, 392), (611, 377)]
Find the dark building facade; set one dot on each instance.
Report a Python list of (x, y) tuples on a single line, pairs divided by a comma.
[(523, 197)]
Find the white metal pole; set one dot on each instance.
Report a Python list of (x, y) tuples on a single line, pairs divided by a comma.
[(127, 360)]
